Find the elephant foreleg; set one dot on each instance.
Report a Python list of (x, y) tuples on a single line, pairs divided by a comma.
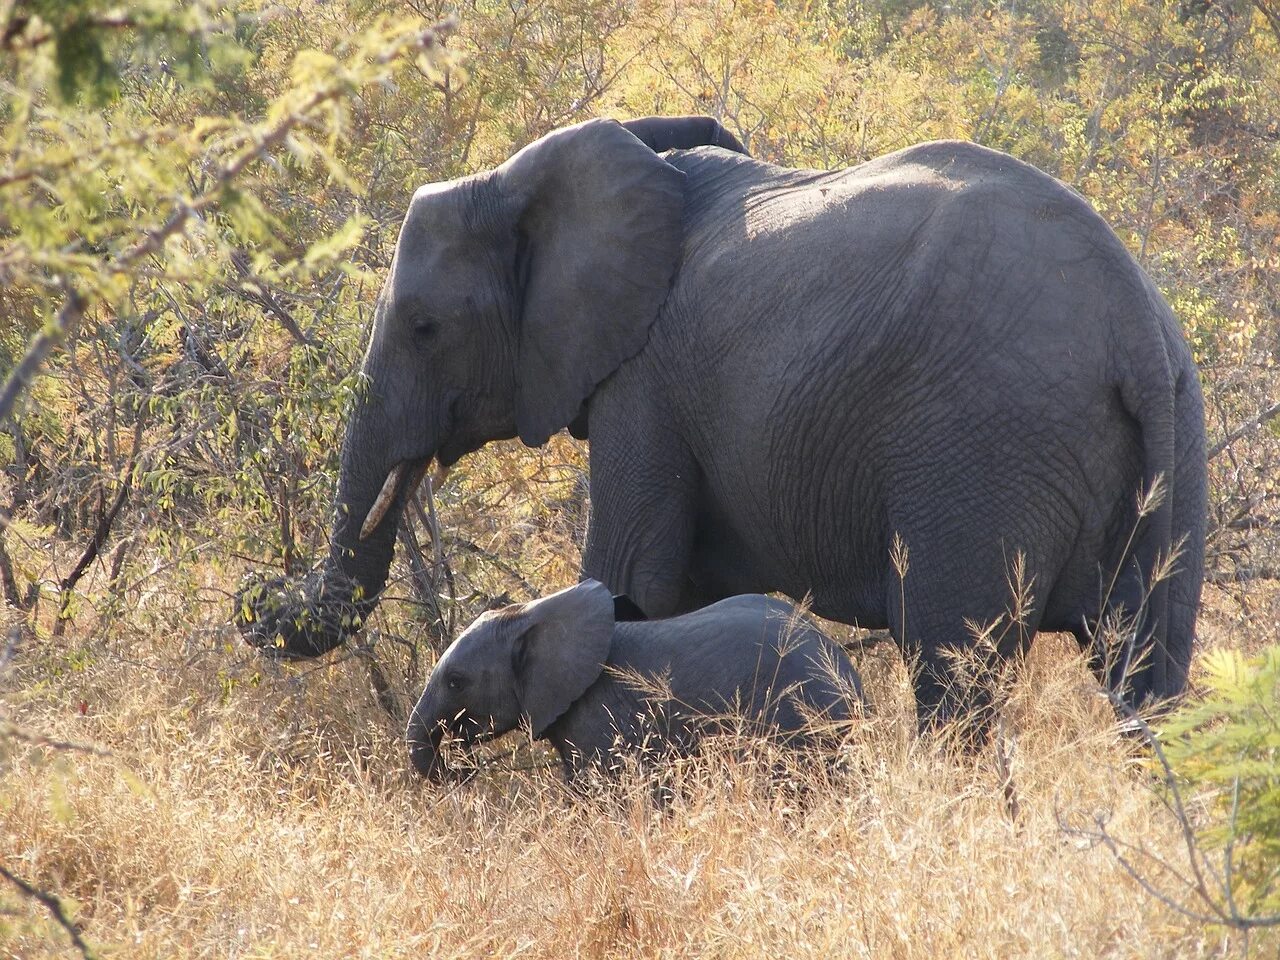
[(643, 499)]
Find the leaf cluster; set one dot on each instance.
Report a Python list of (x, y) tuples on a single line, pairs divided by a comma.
[(1224, 746)]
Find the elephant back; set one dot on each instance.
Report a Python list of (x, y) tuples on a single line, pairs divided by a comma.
[(749, 653)]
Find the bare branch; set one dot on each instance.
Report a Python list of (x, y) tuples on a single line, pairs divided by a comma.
[(108, 518), (40, 740), (255, 290), (63, 323), (55, 907), (1260, 419)]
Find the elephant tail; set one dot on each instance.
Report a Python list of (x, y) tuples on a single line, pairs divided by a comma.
[(1158, 579)]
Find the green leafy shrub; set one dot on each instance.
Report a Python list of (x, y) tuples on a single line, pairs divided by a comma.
[(1225, 748)]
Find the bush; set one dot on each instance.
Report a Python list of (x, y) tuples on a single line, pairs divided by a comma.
[(1224, 749)]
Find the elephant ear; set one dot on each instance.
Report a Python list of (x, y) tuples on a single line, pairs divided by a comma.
[(598, 220), (683, 133), (561, 650)]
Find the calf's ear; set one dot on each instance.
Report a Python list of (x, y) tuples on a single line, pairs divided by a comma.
[(559, 646)]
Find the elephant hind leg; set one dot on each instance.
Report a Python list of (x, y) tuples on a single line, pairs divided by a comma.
[(961, 617), (959, 684)]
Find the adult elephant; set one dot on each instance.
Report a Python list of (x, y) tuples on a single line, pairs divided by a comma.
[(781, 371)]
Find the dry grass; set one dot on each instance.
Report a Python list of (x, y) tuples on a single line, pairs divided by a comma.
[(251, 811)]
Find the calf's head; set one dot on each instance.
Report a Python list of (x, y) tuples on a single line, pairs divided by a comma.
[(524, 665)]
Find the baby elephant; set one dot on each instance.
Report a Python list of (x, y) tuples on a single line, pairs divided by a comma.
[(595, 688)]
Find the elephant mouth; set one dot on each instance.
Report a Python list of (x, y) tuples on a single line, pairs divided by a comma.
[(427, 750), (469, 732), (411, 470)]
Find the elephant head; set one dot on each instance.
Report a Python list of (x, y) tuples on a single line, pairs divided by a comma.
[(519, 666), (511, 295)]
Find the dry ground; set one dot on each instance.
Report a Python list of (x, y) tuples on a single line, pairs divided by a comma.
[(249, 810)]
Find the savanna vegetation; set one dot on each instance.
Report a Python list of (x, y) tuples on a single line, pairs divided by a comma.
[(197, 204)]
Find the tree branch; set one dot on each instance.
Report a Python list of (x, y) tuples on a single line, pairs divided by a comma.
[(153, 240), (55, 907), (256, 291), (107, 519), (64, 322), (1261, 419), (8, 582)]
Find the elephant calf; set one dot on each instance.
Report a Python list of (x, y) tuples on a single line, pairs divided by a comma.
[(563, 668)]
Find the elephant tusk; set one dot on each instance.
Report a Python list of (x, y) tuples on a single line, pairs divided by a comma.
[(416, 480), (387, 495), (390, 487), (439, 476)]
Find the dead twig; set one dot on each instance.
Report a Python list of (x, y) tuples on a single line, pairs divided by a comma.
[(253, 289)]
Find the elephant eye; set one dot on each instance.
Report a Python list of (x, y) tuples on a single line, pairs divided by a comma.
[(454, 683), (426, 329)]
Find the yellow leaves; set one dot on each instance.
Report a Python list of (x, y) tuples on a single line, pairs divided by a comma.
[(313, 67)]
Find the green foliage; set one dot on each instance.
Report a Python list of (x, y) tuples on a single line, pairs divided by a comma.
[(1225, 746), (167, 184)]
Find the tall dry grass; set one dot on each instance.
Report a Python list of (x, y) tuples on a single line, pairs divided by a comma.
[(249, 810)]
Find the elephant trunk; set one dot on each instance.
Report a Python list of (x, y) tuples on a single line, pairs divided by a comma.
[(425, 736), (310, 618), (424, 750)]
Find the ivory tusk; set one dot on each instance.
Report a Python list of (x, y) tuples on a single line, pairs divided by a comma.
[(416, 480), (390, 487)]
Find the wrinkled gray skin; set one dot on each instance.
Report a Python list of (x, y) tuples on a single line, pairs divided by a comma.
[(596, 690), (779, 371)]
